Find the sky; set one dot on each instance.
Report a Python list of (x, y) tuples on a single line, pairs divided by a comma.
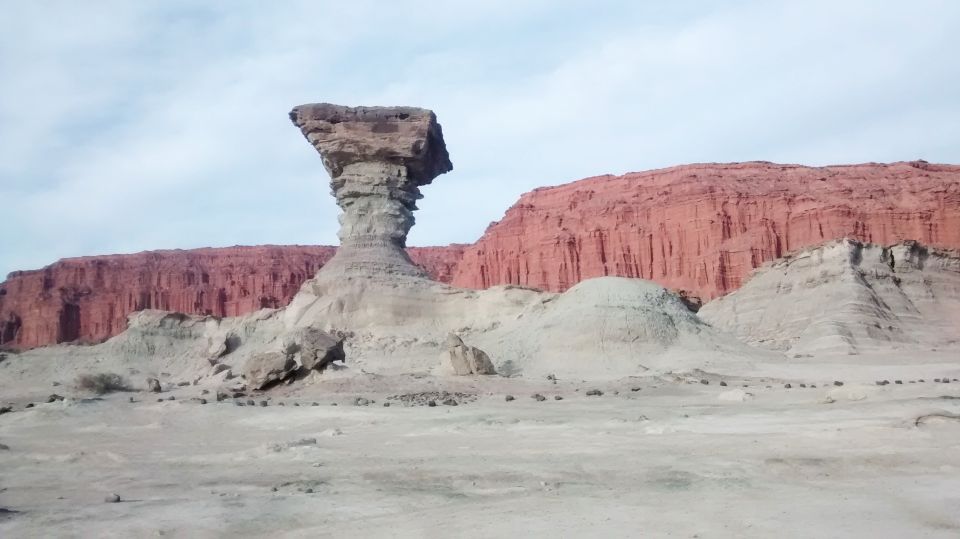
[(156, 124)]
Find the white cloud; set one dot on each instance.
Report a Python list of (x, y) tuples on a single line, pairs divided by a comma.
[(133, 125)]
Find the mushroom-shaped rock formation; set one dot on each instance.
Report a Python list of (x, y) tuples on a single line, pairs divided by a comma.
[(378, 158)]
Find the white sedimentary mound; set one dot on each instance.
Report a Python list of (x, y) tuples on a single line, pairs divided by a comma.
[(847, 297)]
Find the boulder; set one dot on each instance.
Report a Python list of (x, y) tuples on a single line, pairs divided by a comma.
[(220, 367), (464, 359), (216, 349), (313, 348), (154, 385), (267, 368)]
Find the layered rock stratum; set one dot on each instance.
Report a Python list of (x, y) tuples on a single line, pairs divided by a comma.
[(700, 229), (89, 299), (703, 228), (848, 297)]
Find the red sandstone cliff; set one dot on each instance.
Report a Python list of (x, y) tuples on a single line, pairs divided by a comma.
[(703, 228), (696, 228), (88, 299)]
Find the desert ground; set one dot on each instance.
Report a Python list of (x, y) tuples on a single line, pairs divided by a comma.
[(664, 456)]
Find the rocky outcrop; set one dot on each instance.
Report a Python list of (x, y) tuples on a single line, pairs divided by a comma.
[(377, 158), (302, 350), (267, 368), (88, 299), (464, 360), (847, 297), (312, 348), (702, 228)]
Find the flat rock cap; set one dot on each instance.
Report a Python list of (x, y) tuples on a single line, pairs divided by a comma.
[(406, 136)]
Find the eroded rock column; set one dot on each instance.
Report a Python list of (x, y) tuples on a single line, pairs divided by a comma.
[(377, 158)]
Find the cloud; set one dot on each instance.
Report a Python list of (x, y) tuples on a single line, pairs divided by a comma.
[(135, 125)]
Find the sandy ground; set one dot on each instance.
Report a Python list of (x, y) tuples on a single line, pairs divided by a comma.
[(671, 459)]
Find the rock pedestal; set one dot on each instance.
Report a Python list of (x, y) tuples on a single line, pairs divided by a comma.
[(377, 158)]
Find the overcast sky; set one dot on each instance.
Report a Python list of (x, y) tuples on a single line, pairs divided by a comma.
[(133, 125)]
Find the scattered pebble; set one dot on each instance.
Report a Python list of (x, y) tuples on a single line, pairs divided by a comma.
[(386, 405), (54, 398), (594, 393), (451, 402), (837, 383), (421, 398), (787, 386), (171, 398), (263, 404), (308, 490), (638, 388), (705, 382), (538, 397), (29, 405), (722, 383), (360, 401), (557, 398), (203, 401), (803, 385), (431, 403), (251, 402), (112, 498), (4, 447), (898, 382), (314, 404), (508, 398)]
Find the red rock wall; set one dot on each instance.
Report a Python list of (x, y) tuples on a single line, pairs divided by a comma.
[(700, 229), (88, 299), (703, 228)]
